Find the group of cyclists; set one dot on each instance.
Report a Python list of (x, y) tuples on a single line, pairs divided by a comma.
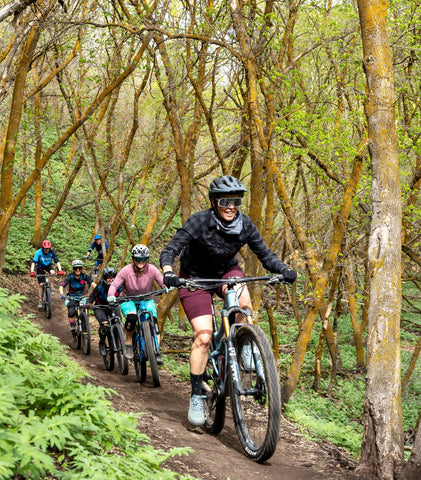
[(207, 244)]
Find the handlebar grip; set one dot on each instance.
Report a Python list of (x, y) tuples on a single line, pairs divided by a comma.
[(183, 281)]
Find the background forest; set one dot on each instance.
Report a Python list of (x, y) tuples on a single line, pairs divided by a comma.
[(116, 115)]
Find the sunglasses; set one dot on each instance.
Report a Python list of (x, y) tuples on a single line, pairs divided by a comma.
[(77, 268), (226, 202), (140, 259)]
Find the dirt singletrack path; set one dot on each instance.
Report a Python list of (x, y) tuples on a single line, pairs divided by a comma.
[(165, 416)]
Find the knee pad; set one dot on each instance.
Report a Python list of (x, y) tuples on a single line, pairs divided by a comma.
[(71, 311), (131, 320)]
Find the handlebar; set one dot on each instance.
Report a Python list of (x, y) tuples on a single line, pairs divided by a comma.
[(212, 283), (140, 297)]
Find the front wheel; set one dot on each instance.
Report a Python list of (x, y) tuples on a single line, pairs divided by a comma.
[(109, 352), (257, 405), (86, 333), (77, 336), (120, 344), (150, 352), (47, 301), (139, 359)]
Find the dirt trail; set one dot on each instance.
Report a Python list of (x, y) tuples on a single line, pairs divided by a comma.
[(165, 419)]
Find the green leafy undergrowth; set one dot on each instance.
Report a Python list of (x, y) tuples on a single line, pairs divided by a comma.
[(54, 426)]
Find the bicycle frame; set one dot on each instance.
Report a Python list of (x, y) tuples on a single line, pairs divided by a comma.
[(223, 338)]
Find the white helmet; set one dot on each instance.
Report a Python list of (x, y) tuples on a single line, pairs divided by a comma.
[(77, 263), (140, 250)]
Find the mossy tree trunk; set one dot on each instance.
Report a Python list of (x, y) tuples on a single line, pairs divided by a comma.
[(382, 447)]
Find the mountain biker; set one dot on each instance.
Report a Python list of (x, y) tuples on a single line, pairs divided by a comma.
[(99, 297), (76, 283), (136, 278), (43, 262), (208, 243), (97, 245)]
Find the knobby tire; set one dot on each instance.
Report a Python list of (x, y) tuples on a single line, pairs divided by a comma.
[(47, 301), (257, 415), (120, 343), (150, 352), (86, 333), (77, 340), (215, 404), (139, 364), (109, 352)]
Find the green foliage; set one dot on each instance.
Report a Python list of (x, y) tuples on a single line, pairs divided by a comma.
[(51, 424)]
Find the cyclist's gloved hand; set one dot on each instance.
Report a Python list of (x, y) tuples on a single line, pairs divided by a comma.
[(111, 299), (62, 297), (60, 272), (290, 275), (32, 274), (171, 279)]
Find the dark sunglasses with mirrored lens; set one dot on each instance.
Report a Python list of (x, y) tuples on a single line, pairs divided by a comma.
[(226, 202), (140, 259)]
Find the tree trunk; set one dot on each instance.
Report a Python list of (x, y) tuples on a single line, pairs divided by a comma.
[(15, 114), (382, 447)]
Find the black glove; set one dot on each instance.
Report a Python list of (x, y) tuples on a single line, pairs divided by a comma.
[(289, 275), (171, 279)]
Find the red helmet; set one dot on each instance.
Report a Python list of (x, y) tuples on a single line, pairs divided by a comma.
[(46, 244)]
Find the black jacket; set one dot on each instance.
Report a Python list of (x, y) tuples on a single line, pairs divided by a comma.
[(207, 252)]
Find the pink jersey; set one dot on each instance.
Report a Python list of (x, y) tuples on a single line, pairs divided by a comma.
[(136, 285)]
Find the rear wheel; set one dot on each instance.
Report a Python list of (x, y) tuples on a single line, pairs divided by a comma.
[(257, 407), (86, 332), (109, 352), (215, 404), (120, 344), (47, 301), (150, 351)]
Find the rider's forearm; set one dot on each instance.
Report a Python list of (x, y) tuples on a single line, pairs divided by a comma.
[(167, 268)]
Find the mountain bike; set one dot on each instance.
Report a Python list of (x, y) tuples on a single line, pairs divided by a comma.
[(145, 338), (95, 269), (82, 332), (241, 365), (47, 292), (115, 343)]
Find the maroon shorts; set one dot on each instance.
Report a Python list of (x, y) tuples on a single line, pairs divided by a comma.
[(199, 302)]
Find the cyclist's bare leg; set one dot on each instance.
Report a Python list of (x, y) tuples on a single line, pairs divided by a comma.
[(202, 336), (40, 287)]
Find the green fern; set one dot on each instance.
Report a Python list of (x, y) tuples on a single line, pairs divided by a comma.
[(52, 424)]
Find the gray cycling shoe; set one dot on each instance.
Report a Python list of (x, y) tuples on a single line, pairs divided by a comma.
[(40, 305), (129, 352), (101, 349), (247, 358), (197, 410)]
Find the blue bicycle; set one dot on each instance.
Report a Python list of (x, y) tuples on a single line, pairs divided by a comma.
[(145, 337)]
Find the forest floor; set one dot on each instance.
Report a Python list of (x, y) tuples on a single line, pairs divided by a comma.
[(164, 417)]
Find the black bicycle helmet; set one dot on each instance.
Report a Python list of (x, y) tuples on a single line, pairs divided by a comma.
[(109, 272), (226, 185)]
